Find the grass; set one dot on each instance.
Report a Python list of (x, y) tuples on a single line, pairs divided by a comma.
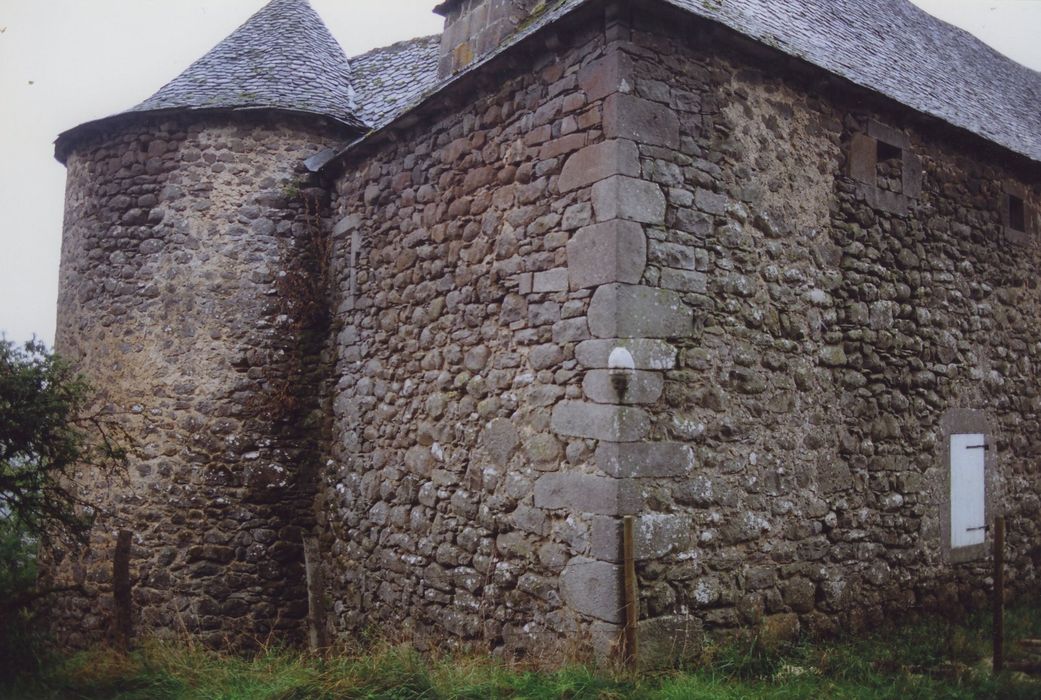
[(930, 659)]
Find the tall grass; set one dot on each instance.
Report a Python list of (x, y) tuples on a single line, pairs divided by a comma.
[(930, 659)]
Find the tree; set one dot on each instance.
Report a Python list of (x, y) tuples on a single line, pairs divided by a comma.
[(48, 432)]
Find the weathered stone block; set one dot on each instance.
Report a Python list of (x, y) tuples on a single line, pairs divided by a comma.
[(645, 459), (599, 161), (499, 440), (555, 280), (640, 120), (684, 280), (667, 641), (646, 353), (655, 535), (612, 73), (593, 588), (863, 158), (627, 387), (587, 493), (621, 197), (614, 251), (630, 311), (591, 420)]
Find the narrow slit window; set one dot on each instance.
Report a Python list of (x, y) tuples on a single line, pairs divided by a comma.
[(1017, 215), (889, 168)]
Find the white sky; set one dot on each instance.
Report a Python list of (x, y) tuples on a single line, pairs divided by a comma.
[(64, 62)]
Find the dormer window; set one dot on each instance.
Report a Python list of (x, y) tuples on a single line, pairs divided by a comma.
[(1017, 214), (889, 176), (1017, 218), (889, 167)]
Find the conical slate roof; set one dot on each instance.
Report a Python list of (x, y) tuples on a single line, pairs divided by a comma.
[(283, 57)]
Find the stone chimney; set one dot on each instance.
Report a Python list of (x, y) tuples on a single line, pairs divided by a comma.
[(474, 28)]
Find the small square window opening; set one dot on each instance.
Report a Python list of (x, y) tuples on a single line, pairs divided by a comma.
[(1017, 215), (889, 173)]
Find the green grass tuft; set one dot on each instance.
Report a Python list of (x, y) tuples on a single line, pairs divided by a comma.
[(932, 658)]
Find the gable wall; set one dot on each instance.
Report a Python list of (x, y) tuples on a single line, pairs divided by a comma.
[(833, 342), (456, 336)]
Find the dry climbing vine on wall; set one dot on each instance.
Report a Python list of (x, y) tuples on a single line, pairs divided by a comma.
[(301, 311)]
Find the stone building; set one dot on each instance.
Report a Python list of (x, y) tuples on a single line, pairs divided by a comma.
[(404, 337)]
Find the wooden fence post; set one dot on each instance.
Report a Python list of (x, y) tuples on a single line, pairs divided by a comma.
[(121, 590), (629, 590), (999, 593)]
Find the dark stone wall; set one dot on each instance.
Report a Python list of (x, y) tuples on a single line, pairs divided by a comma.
[(192, 297), (457, 334), (647, 269), (844, 316)]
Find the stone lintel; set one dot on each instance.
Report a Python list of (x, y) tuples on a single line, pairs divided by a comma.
[(593, 588), (602, 160), (621, 197), (645, 459), (647, 353), (623, 386), (631, 311), (587, 493), (645, 122), (600, 422), (614, 251)]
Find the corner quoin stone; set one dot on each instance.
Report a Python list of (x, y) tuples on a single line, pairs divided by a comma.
[(640, 120), (600, 422), (655, 535), (647, 353), (614, 251), (645, 459), (638, 386), (593, 588), (587, 493), (599, 161), (621, 197), (630, 311), (612, 73)]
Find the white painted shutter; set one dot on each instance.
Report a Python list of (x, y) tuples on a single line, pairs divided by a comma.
[(967, 490)]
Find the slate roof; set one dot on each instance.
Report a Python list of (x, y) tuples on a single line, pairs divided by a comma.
[(889, 46), (899, 50), (282, 57), (388, 80)]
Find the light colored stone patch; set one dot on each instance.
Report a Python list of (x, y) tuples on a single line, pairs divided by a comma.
[(646, 353)]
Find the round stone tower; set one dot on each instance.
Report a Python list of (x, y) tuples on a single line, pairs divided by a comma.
[(192, 296)]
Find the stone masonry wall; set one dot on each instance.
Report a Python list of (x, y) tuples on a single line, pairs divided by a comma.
[(190, 261), (850, 308), (446, 496)]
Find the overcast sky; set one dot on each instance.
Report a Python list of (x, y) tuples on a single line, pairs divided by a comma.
[(63, 62)]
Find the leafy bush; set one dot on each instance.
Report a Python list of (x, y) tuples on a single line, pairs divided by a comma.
[(48, 431)]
